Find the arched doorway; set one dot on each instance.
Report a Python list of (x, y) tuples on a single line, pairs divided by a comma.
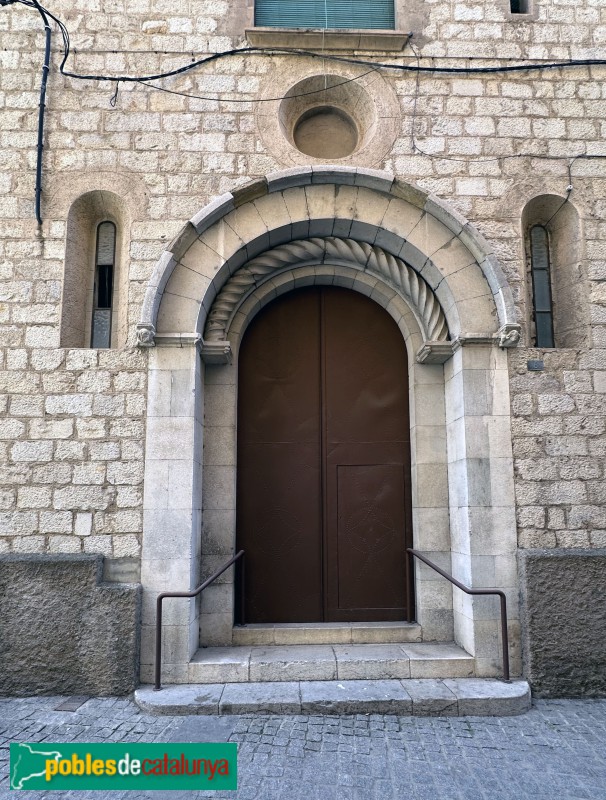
[(323, 483), (422, 260)]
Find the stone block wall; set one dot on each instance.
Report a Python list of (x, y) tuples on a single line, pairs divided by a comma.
[(72, 451)]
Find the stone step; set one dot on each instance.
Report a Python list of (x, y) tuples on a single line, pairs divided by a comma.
[(327, 633), (330, 662), (438, 698)]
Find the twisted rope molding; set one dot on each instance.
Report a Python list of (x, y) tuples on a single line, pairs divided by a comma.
[(320, 250)]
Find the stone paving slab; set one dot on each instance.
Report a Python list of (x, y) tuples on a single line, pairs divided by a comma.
[(354, 697), (432, 698), (478, 698), (554, 752), (315, 662), (482, 697), (261, 698)]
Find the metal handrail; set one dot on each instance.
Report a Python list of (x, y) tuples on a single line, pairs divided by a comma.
[(468, 590), (194, 593)]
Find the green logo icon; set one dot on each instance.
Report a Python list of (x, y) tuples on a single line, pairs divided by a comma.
[(36, 766)]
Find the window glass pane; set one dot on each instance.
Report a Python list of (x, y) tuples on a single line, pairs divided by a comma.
[(102, 319), (542, 291), (544, 330), (540, 248), (324, 14), (104, 286), (541, 286), (106, 243), (104, 280)]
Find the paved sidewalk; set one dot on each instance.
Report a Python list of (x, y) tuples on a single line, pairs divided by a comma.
[(557, 751)]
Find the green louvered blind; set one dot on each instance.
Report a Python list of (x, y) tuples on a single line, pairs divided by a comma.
[(324, 14)]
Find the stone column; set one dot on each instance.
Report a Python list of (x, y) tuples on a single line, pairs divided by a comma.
[(172, 503), (481, 491)]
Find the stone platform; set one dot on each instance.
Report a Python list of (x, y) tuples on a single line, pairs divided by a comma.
[(327, 662), (419, 697)]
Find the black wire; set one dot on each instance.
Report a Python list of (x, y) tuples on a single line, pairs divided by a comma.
[(262, 99), (306, 53), (341, 59), (417, 69)]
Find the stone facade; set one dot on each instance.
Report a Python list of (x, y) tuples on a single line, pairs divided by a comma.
[(129, 452), (83, 634)]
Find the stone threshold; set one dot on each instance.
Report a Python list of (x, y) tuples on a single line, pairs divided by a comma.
[(330, 662), (434, 698), (327, 633)]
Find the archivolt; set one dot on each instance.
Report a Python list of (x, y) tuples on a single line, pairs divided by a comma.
[(335, 251)]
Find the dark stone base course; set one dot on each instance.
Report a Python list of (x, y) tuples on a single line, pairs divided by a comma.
[(63, 631), (563, 615)]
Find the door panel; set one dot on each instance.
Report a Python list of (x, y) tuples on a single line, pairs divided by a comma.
[(370, 509), (366, 460), (279, 512), (323, 460)]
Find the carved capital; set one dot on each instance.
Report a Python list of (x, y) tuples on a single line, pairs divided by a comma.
[(146, 334), (509, 335), (216, 352)]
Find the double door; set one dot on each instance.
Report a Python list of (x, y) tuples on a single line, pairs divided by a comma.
[(323, 486)]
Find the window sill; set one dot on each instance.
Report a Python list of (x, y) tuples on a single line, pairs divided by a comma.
[(317, 39)]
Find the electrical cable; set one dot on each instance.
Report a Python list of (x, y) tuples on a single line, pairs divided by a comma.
[(416, 69), (471, 70), (257, 100)]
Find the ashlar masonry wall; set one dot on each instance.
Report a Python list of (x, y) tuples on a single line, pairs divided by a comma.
[(72, 429)]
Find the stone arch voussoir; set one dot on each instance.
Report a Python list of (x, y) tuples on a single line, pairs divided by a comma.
[(412, 242)]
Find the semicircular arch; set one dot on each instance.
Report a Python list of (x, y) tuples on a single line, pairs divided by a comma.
[(412, 242)]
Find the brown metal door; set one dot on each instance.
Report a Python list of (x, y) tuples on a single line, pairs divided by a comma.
[(323, 507)]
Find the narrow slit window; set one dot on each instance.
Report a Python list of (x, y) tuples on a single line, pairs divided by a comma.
[(541, 286), (105, 260), (519, 6)]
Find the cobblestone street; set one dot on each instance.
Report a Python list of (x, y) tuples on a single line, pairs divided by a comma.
[(557, 750)]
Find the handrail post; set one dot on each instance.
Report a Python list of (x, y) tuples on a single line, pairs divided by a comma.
[(158, 664), (242, 595), (409, 572), (468, 590), (194, 593), (505, 636)]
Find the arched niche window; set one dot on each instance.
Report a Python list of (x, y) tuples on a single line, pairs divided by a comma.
[(558, 309), (95, 286)]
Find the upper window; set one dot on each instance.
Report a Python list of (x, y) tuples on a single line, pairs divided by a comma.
[(104, 285), (541, 286), (94, 310), (558, 311), (325, 14)]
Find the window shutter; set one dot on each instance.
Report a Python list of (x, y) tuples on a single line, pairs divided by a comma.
[(325, 14)]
